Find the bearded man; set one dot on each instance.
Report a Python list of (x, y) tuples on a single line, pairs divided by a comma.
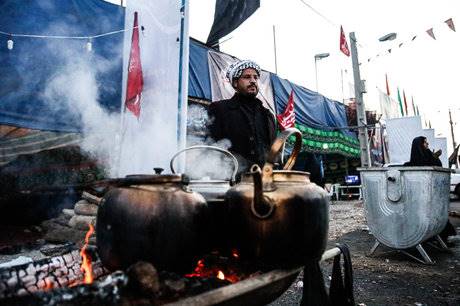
[(243, 119)]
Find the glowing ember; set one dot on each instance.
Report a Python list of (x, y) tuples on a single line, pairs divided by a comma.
[(86, 260), (219, 272), (235, 253), (48, 284)]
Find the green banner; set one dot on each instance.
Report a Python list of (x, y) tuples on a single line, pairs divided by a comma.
[(327, 142)]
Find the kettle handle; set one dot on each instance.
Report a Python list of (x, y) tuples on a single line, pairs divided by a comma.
[(201, 147), (279, 143)]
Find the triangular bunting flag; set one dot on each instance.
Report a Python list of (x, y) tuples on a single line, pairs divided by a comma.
[(413, 38), (450, 24), (135, 79), (431, 33), (343, 43), (413, 106), (287, 118), (389, 50)]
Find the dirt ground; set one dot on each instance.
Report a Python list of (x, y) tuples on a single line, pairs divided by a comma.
[(389, 277)]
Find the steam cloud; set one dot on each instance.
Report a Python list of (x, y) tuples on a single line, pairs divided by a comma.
[(74, 91)]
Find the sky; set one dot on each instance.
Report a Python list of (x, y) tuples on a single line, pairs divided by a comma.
[(426, 69)]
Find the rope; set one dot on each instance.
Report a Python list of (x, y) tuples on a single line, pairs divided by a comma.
[(66, 37)]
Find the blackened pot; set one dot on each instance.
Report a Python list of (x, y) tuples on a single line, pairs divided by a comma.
[(158, 219)]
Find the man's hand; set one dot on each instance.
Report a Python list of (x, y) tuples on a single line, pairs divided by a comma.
[(437, 153)]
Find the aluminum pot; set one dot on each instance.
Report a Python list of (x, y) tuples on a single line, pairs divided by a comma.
[(279, 216), (213, 190), (155, 218)]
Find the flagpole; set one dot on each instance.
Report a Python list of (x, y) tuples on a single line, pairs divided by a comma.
[(274, 49)]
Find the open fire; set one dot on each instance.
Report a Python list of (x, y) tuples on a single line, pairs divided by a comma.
[(221, 267), (86, 267)]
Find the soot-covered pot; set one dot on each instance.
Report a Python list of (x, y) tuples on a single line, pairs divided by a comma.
[(279, 216), (155, 218)]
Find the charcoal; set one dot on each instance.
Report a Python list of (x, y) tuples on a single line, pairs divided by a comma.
[(143, 279), (57, 250), (105, 292)]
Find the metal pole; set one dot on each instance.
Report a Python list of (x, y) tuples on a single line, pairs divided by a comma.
[(316, 74), (452, 129), (453, 136), (360, 109), (341, 78), (274, 48)]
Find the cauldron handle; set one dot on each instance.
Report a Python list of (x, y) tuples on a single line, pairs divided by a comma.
[(279, 143), (201, 147)]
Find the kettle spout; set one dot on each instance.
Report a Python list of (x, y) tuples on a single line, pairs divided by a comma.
[(262, 206)]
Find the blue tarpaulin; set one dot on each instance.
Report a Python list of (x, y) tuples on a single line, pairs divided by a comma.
[(199, 83), (311, 108), (26, 69)]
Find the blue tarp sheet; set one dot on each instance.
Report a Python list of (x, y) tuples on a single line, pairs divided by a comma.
[(27, 68), (199, 83), (311, 108)]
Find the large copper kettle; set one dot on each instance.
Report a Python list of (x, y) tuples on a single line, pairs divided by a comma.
[(279, 216), (154, 218)]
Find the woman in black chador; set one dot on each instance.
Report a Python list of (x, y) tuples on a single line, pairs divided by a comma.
[(421, 155)]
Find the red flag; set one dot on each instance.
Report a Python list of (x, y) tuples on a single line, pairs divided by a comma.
[(450, 24), (135, 79), (287, 119), (431, 33), (388, 87), (343, 43), (405, 102)]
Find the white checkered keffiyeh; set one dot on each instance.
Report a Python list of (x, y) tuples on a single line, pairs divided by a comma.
[(235, 70)]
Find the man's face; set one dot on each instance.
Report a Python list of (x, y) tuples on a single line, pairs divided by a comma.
[(248, 83)]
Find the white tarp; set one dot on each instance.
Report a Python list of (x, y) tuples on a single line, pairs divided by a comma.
[(388, 106), (441, 143), (152, 140), (401, 132), (221, 87)]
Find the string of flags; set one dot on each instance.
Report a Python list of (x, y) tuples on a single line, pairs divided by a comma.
[(403, 105), (430, 32), (89, 39)]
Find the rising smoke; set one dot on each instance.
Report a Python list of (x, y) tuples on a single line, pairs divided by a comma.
[(74, 91)]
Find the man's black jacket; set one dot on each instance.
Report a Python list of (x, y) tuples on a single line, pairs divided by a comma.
[(247, 124)]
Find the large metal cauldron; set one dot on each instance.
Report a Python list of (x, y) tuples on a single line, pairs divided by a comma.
[(405, 205), (279, 216), (154, 218)]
